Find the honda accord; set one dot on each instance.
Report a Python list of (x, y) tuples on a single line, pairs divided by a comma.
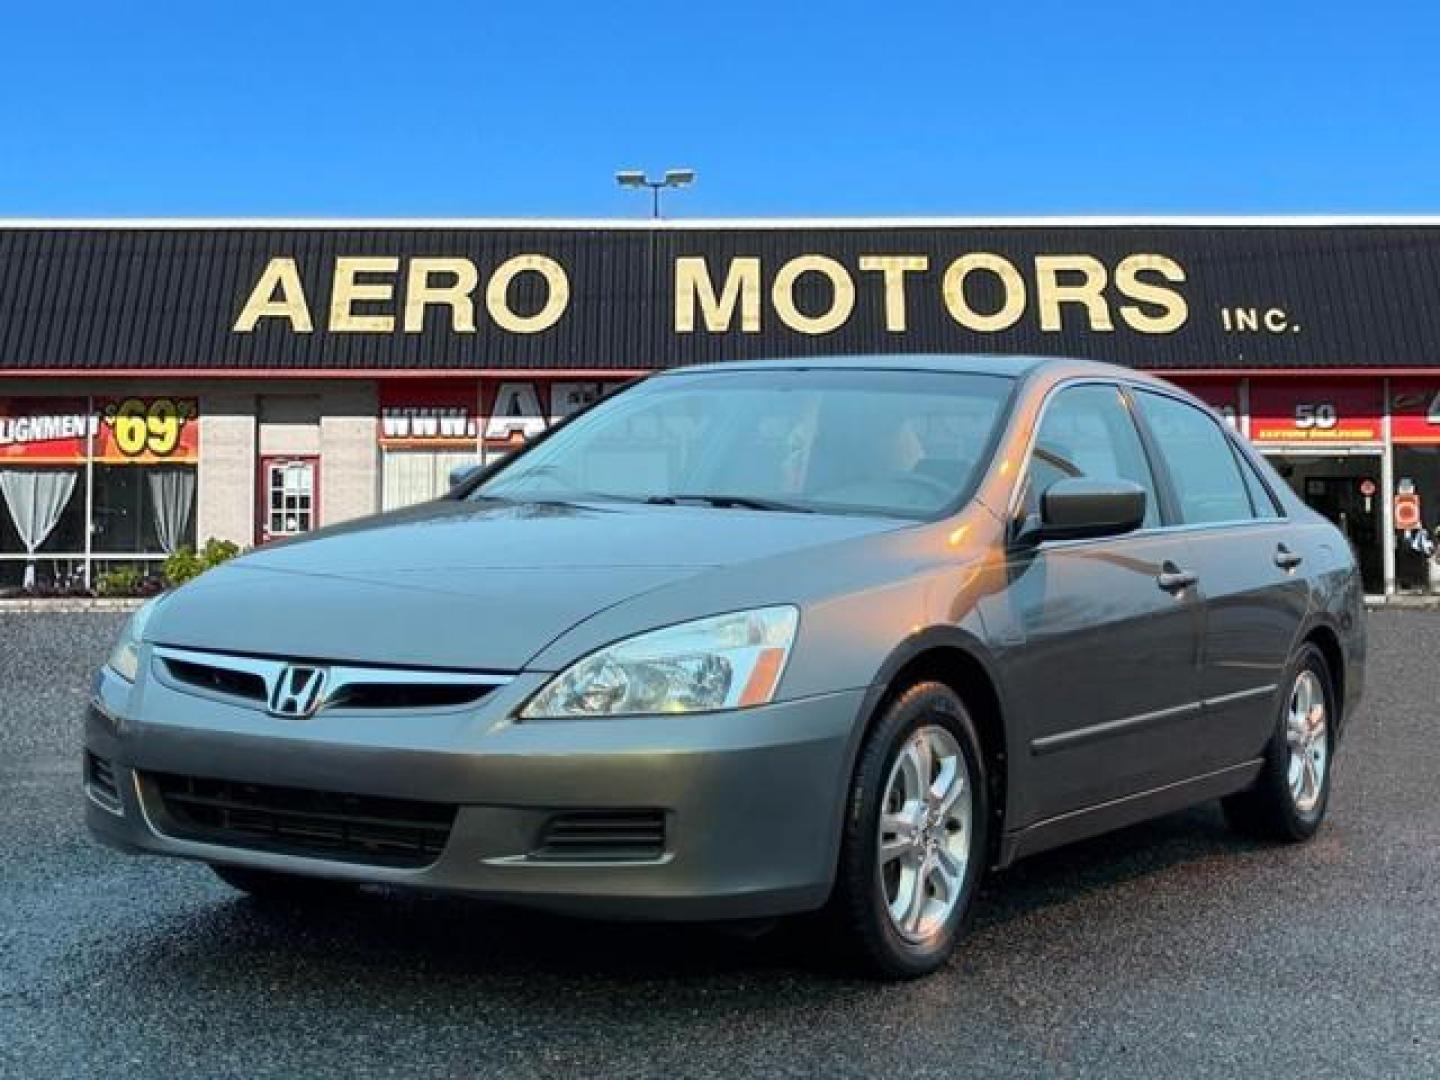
[(753, 639)]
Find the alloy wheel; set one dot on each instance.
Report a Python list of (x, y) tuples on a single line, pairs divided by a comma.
[(925, 832), (1308, 741)]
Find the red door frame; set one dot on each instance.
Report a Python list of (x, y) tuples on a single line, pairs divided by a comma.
[(262, 505)]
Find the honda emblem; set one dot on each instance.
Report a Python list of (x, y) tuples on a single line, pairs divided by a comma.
[(298, 691)]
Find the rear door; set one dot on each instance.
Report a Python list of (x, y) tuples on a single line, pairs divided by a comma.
[(1249, 575), (1104, 670)]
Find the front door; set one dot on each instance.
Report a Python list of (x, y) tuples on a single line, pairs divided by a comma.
[(1104, 670), (289, 497)]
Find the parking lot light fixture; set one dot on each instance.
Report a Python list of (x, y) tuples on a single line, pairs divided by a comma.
[(672, 178)]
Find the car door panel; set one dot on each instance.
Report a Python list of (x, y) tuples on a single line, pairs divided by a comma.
[(1253, 612), (1103, 674)]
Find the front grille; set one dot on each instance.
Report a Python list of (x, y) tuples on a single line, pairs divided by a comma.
[(100, 781), (405, 695), (220, 680), (254, 679), (365, 829), (603, 836)]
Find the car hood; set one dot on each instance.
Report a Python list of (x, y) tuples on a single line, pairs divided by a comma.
[(468, 586)]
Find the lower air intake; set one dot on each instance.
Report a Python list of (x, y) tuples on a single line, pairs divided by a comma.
[(364, 829), (603, 836)]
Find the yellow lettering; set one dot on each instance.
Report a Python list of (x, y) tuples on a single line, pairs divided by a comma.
[(347, 292), (956, 302), (497, 294), (280, 275), (1173, 310), (741, 289), (842, 294), (1089, 293), (421, 292), (895, 267)]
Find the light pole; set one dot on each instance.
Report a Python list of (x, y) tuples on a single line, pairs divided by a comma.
[(673, 178)]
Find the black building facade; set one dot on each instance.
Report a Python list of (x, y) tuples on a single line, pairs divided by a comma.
[(165, 382)]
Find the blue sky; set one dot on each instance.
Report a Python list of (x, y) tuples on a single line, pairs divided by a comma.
[(482, 108)]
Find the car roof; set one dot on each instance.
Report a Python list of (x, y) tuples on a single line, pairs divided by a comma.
[(959, 363)]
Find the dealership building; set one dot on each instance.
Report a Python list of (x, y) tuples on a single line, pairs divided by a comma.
[(163, 382)]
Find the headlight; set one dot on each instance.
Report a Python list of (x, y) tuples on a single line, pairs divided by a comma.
[(125, 656), (725, 662)]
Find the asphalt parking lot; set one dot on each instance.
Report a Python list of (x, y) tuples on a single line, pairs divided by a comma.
[(1170, 949)]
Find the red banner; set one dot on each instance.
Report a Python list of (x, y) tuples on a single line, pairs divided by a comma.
[(430, 414), (45, 431), (1415, 411), (120, 431), (1315, 411), (144, 431)]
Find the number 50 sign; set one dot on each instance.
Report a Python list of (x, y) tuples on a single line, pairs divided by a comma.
[(1325, 410), (145, 430)]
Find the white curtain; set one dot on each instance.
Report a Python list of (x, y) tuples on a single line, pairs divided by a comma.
[(172, 494), (36, 498)]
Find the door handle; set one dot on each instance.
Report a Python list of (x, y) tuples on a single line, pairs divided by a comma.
[(1286, 559), (1172, 579)]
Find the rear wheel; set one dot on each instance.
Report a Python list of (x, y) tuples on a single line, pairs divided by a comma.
[(1288, 801), (914, 845), (272, 886)]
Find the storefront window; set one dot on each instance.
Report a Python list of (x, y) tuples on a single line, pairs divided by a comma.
[(129, 463), (1417, 482), (43, 516), (143, 509)]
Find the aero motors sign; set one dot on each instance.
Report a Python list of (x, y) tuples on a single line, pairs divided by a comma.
[(1323, 411), (813, 294)]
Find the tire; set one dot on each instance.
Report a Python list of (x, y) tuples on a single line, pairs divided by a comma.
[(922, 935), (1274, 809), (271, 886)]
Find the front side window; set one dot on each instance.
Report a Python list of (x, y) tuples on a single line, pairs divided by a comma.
[(1207, 479), (885, 442), (1088, 431)]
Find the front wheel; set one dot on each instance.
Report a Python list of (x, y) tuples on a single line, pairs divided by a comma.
[(1289, 799), (915, 834)]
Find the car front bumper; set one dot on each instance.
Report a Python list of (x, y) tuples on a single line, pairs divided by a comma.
[(751, 800)]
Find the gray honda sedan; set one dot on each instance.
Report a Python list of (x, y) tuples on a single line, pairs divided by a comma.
[(755, 639)]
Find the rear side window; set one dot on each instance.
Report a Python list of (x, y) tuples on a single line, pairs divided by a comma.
[(1088, 431), (1260, 498), (1207, 478)]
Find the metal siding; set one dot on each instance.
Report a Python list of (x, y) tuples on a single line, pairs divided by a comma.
[(147, 299)]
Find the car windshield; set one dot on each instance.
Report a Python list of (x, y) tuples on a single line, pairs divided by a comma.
[(885, 442)]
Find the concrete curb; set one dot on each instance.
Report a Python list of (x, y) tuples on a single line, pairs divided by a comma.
[(70, 604)]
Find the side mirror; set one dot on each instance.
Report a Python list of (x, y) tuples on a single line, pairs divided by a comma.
[(462, 473), (1078, 508)]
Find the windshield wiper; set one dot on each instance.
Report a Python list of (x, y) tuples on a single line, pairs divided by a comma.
[(727, 502)]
